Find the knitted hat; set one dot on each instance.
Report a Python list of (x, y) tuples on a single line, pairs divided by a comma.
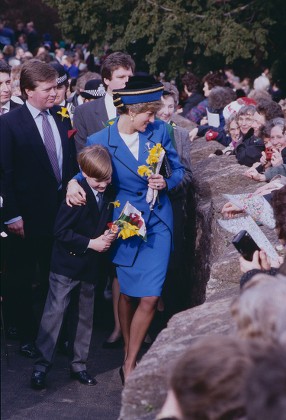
[(139, 89), (93, 89)]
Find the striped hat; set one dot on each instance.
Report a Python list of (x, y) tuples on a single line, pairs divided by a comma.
[(139, 89)]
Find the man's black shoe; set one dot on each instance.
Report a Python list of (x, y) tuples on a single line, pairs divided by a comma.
[(83, 377), (29, 350), (38, 380)]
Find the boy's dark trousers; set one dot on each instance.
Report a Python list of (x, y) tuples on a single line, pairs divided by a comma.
[(80, 322)]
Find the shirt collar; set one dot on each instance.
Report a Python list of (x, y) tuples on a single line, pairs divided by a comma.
[(34, 111), (6, 106)]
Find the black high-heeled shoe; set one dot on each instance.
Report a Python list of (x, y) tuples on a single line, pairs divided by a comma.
[(122, 376)]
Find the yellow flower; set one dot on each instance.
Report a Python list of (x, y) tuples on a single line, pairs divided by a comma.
[(128, 230), (151, 159), (115, 203), (157, 149), (64, 113), (143, 170)]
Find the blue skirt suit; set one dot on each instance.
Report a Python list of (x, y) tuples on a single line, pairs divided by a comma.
[(141, 266)]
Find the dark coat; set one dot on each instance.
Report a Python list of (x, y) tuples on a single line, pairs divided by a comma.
[(74, 227), (30, 188), (89, 118), (249, 151)]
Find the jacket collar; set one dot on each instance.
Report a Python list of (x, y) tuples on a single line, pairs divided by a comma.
[(123, 154)]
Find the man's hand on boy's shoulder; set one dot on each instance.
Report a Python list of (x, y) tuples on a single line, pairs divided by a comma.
[(75, 195)]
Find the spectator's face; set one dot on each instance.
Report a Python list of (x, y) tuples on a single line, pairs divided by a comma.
[(5, 88), (168, 108), (61, 94), (234, 131), (257, 122), (206, 89), (119, 79), (245, 123), (43, 97), (278, 138)]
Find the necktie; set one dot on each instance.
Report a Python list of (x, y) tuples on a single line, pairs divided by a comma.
[(50, 145), (99, 197), (2, 111)]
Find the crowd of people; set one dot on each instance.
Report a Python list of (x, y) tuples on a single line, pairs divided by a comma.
[(74, 131)]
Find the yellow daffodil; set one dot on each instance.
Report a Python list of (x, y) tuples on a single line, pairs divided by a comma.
[(143, 170), (151, 159), (128, 230), (157, 149), (115, 203), (64, 113)]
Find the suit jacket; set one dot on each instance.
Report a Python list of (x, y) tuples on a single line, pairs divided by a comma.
[(89, 118), (14, 105), (132, 187), (30, 188), (74, 227)]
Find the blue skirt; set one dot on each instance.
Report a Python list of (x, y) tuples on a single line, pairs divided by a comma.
[(147, 275)]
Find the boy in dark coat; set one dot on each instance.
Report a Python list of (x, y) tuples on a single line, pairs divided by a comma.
[(77, 261)]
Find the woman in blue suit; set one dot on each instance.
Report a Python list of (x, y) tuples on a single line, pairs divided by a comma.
[(141, 266)]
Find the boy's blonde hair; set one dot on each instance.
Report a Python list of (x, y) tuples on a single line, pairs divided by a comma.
[(95, 162)]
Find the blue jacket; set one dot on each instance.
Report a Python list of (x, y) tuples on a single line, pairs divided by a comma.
[(129, 186)]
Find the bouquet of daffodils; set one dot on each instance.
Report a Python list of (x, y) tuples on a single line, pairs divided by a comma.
[(154, 162), (129, 223)]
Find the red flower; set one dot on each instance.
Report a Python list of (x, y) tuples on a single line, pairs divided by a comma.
[(135, 220)]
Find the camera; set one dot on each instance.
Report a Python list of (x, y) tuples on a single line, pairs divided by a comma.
[(245, 245), (268, 153)]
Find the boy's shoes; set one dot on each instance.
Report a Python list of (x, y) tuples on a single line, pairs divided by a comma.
[(38, 380), (29, 350), (83, 377)]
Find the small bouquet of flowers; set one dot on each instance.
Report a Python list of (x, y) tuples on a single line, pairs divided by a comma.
[(129, 223), (154, 163)]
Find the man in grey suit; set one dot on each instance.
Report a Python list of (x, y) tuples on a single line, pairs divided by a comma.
[(92, 116)]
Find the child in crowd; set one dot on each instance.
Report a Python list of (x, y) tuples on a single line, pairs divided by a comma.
[(77, 262)]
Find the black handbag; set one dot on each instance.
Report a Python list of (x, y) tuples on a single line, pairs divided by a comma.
[(166, 169)]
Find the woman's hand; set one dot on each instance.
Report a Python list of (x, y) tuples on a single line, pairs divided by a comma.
[(254, 174), (204, 121), (276, 159), (75, 194), (156, 182), (229, 210), (193, 134), (263, 159), (260, 261)]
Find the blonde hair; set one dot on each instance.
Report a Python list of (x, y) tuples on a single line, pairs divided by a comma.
[(95, 162)]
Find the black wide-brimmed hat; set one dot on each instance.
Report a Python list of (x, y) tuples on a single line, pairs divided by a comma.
[(138, 89), (93, 89)]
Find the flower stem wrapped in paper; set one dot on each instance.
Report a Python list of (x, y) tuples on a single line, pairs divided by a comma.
[(154, 161), (129, 223)]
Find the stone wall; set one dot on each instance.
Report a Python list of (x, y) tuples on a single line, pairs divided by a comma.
[(216, 282)]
